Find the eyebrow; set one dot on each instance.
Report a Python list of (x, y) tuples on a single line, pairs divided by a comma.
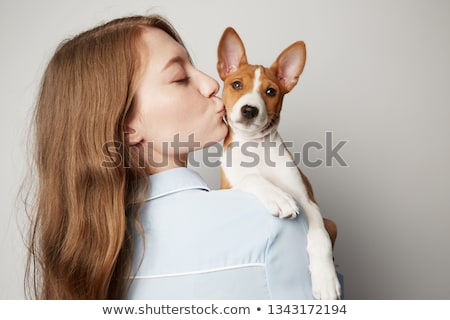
[(175, 60)]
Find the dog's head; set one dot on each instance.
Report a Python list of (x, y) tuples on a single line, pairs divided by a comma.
[(253, 94)]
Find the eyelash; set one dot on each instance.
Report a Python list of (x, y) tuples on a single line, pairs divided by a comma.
[(183, 81)]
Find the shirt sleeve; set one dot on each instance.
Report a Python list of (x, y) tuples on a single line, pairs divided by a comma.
[(287, 261)]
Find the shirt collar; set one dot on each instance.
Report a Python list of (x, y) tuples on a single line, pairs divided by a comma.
[(174, 180)]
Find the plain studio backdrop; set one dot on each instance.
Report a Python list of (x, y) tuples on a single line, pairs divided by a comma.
[(376, 78)]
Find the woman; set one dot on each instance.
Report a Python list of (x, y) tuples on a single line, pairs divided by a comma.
[(118, 214)]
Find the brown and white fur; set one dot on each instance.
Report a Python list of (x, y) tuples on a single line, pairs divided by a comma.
[(253, 97)]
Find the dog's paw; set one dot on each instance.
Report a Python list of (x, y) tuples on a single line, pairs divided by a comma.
[(277, 202), (280, 204), (325, 283)]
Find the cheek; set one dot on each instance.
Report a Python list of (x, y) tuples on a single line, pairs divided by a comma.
[(171, 116), (205, 126), (273, 105), (164, 115)]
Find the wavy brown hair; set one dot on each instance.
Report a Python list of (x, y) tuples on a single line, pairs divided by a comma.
[(80, 245)]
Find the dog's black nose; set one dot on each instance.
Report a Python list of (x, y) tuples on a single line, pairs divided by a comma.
[(249, 112)]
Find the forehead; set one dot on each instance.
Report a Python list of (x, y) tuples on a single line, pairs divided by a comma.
[(160, 46), (247, 73)]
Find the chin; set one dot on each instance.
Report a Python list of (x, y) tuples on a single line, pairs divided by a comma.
[(218, 136)]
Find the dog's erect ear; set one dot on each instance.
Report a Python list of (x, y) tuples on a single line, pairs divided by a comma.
[(231, 53), (289, 65)]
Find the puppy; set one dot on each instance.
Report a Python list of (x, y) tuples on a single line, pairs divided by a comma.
[(255, 158)]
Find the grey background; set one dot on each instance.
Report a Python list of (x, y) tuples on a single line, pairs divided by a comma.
[(377, 76)]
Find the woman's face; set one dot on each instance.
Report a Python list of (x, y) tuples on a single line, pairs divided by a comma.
[(176, 109)]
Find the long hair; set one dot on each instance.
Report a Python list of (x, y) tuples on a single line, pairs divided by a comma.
[(89, 183)]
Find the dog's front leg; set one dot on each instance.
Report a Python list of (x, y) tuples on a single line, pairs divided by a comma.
[(325, 283), (277, 202)]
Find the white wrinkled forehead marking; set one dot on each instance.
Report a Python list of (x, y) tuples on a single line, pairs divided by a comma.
[(257, 82)]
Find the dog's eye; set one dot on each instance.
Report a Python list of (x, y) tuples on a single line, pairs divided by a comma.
[(271, 92), (237, 85)]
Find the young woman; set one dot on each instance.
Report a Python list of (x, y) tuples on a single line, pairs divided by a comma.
[(117, 213)]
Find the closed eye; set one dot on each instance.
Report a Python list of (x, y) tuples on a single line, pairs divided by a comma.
[(184, 80)]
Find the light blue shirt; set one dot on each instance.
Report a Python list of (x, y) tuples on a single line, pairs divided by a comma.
[(222, 244)]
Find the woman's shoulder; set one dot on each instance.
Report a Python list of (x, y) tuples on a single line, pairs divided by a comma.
[(234, 207), (238, 204), (236, 198), (180, 198)]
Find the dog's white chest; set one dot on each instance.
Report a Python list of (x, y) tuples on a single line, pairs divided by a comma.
[(267, 157)]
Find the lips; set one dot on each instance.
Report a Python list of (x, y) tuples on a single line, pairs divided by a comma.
[(222, 111)]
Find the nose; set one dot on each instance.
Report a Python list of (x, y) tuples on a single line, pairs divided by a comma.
[(208, 86), (249, 112)]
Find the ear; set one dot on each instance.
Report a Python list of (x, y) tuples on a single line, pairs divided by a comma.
[(289, 65), (132, 137), (231, 53)]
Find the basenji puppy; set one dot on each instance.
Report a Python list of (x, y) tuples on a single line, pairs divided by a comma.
[(255, 158)]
